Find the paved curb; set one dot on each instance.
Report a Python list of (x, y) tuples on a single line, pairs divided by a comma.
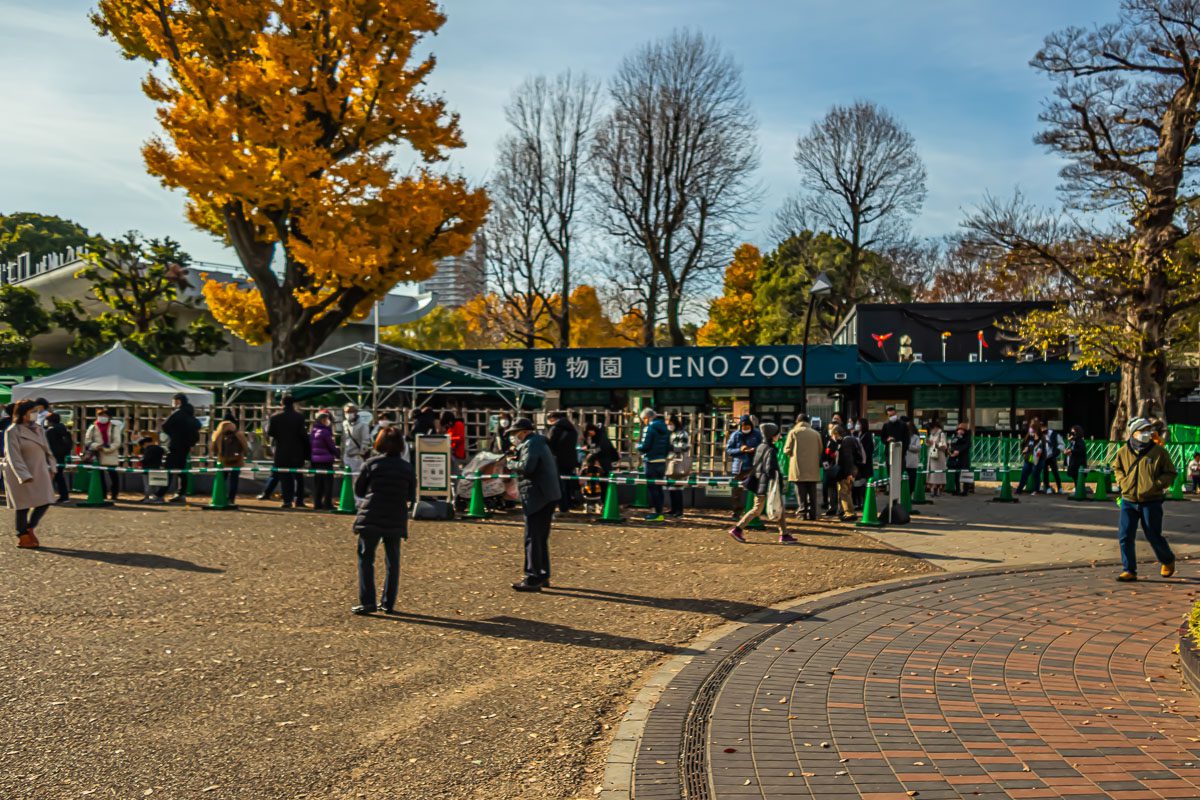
[(619, 773)]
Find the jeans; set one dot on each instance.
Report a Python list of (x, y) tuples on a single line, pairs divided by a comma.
[(760, 505), (1031, 474), (60, 484), (233, 477), (322, 486), (806, 499), (676, 496), (1150, 516), (656, 470), (367, 545), (537, 544), (28, 518)]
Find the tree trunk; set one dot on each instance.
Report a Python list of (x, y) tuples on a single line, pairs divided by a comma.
[(650, 318), (293, 338), (1121, 415), (673, 327), (564, 322)]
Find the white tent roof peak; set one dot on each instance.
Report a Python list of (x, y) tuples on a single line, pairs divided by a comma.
[(114, 376)]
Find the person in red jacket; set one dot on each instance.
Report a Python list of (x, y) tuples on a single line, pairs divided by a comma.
[(457, 431)]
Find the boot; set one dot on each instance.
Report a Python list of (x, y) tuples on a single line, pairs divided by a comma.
[(28, 540)]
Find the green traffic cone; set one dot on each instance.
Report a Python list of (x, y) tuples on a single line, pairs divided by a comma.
[(95, 492), (612, 504), (188, 484), (905, 493), (476, 510), (952, 481), (641, 495), (1006, 491), (1176, 490), (220, 494), (919, 498), (757, 523), (346, 504), (81, 479), (870, 515), (1102, 486), (1080, 491)]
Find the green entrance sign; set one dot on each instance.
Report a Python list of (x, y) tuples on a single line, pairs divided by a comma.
[(1039, 397)]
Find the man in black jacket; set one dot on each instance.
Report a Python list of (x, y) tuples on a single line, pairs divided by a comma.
[(537, 480), (183, 432), (59, 439), (290, 444), (564, 444)]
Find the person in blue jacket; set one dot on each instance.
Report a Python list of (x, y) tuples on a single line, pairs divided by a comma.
[(741, 446), (654, 447)]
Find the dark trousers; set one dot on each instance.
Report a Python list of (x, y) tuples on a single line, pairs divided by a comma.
[(110, 481), (323, 487), (566, 493), (60, 483), (806, 499), (175, 460), (829, 494), (655, 470), (911, 472), (676, 496), (1150, 516), (276, 479), (537, 544), (1196, 484), (1031, 476), (367, 545), (1048, 465), (233, 478), (29, 518)]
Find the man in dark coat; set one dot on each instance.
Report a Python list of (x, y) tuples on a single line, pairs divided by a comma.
[(424, 422), (564, 444), (59, 439), (290, 445), (183, 432), (537, 480), (387, 485)]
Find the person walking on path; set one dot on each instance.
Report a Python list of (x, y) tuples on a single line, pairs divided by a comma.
[(387, 485), (59, 439), (936, 479), (564, 444), (356, 437), (679, 464), (959, 457), (1077, 461), (182, 430), (1143, 471), (290, 444), (324, 454), (229, 447), (537, 481), (28, 468), (765, 482), (655, 448), (740, 447), (102, 445), (803, 449)]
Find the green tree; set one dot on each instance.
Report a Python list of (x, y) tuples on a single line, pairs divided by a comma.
[(781, 286), (38, 235), (440, 329), (22, 315), (140, 281)]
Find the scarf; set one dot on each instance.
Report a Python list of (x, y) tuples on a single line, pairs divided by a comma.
[(1140, 447), (103, 428)]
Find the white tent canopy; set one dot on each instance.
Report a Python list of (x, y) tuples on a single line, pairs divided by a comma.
[(114, 376)]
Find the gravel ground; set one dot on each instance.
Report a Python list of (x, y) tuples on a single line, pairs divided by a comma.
[(172, 652)]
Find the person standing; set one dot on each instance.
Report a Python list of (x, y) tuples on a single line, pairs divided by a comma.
[(356, 437), (1143, 470), (501, 441), (453, 427), (740, 447), (655, 448), (564, 444), (537, 481), (765, 479), (845, 467), (28, 467), (803, 449), (1033, 450), (324, 453), (912, 454), (959, 458), (151, 457), (290, 444), (829, 476), (229, 447), (679, 464), (102, 441), (936, 477), (1194, 472), (182, 430), (424, 422), (387, 485), (862, 431), (1077, 460), (598, 463), (61, 443), (1052, 447)]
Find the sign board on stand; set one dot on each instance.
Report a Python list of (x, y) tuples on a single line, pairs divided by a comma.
[(433, 468)]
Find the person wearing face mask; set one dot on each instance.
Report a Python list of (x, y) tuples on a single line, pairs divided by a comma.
[(28, 467), (1144, 471), (537, 481), (895, 429), (502, 439), (356, 437), (960, 455), (102, 441), (679, 464), (61, 444), (740, 447)]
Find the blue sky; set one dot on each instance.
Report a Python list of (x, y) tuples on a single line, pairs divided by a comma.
[(954, 71)]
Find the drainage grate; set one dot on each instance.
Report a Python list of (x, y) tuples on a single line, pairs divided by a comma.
[(693, 754)]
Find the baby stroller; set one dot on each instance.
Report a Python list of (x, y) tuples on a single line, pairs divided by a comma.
[(592, 490), (499, 491)]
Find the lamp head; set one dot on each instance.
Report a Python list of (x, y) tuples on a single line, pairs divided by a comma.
[(821, 285)]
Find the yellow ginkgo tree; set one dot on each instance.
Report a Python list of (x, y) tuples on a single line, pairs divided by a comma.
[(284, 122)]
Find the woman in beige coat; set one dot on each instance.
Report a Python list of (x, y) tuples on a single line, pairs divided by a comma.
[(28, 469), (102, 441)]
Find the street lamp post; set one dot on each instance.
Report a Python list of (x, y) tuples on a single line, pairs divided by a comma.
[(820, 287)]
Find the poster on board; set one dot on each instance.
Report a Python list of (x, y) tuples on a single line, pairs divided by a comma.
[(433, 467)]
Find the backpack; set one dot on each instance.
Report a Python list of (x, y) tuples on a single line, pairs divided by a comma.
[(231, 446), (1053, 444)]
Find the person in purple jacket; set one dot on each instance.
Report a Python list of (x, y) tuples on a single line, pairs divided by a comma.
[(324, 453)]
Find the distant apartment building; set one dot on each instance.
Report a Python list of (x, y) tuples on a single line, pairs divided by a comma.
[(458, 279)]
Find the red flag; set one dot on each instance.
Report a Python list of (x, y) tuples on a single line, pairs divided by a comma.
[(880, 338), (983, 341)]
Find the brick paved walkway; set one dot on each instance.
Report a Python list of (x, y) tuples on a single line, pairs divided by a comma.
[(1041, 684)]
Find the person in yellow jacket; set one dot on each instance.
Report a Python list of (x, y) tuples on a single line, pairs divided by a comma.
[(1144, 471)]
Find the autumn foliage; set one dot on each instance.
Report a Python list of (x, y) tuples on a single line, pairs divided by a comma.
[(282, 120), (731, 317)]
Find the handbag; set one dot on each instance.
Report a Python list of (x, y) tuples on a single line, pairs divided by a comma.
[(679, 466), (774, 509)]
